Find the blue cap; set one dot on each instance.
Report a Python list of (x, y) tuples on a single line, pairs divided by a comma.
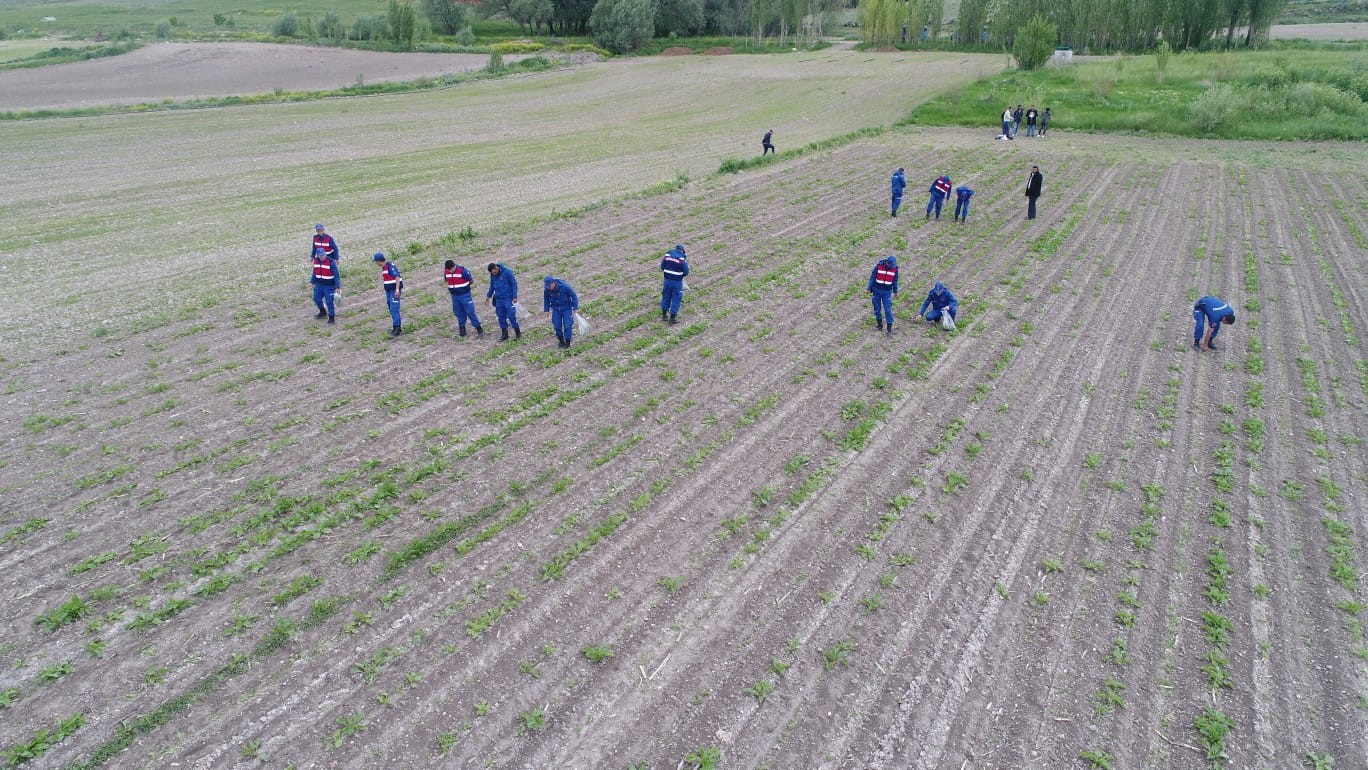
[(547, 281), (318, 227), (891, 260), (379, 257)]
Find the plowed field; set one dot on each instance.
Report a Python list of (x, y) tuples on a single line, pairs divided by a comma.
[(768, 536)]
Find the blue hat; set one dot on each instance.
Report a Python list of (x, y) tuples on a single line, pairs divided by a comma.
[(547, 281), (379, 257), (318, 227), (891, 260), (679, 246), (318, 252)]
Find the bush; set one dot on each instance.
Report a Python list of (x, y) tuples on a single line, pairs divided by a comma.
[(331, 27), (285, 25), (496, 62), (162, 30), (1214, 107), (466, 36), (622, 25), (372, 26), (516, 46), (1034, 43)]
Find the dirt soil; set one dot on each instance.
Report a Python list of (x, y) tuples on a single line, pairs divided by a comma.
[(183, 71), (677, 50), (1349, 30), (770, 531)]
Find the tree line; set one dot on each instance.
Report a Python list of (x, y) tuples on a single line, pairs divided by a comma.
[(1085, 25)]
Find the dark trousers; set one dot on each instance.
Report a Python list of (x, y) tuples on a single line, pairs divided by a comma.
[(1030, 206)]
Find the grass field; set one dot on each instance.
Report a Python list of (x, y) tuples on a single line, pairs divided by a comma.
[(233, 535), (11, 50)]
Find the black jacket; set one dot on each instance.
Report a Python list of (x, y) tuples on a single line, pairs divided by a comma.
[(1033, 185)]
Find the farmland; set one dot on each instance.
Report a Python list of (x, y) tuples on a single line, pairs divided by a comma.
[(767, 536)]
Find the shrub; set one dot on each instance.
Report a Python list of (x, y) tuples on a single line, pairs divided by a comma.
[(163, 30), (331, 27), (1034, 43), (402, 22), (516, 46), (622, 25), (1214, 107), (496, 62), (285, 25), (372, 26), (466, 36)]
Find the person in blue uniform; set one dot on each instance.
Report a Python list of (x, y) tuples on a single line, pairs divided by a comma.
[(940, 188), (503, 295), (322, 240), (674, 266), (962, 195), (326, 280), (882, 288), (939, 300), (898, 184), (458, 281), (393, 285), (766, 145), (561, 301), (1212, 313)]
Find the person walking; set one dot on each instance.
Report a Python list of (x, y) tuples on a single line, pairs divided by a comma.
[(1031, 116), (882, 288), (1007, 122), (674, 267), (1211, 312), (940, 188), (1016, 120), (1045, 121), (503, 295), (327, 281), (898, 184), (393, 284), (767, 146), (962, 195), (939, 301), (561, 301), (1034, 183), (458, 283), (321, 240)]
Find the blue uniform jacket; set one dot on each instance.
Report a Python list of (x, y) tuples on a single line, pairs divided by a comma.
[(1214, 308), (899, 182), (964, 192), (674, 266), (875, 286), (504, 285), (563, 298), (939, 298)]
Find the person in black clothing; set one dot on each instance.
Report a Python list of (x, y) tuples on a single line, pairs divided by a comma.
[(1033, 188), (766, 145), (1016, 120)]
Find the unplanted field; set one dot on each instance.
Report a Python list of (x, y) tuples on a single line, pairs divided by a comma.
[(765, 536)]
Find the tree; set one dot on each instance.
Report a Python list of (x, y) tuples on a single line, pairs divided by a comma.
[(622, 25), (1034, 43), (447, 16), (972, 15), (331, 27), (881, 21), (573, 15), (402, 22), (681, 17), (531, 14)]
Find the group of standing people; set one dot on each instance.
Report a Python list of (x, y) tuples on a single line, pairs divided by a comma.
[(559, 299), (941, 187), (1037, 123)]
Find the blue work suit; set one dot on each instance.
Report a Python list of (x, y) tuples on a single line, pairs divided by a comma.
[(899, 183), (674, 266), (882, 287), (562, 301), (1213, 311), (962, 196), (325, 289), (394, 287), (503, 289), (939, 300), (939, 189), (458, 283)]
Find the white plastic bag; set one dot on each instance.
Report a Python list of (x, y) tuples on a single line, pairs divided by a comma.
[(520, 312), (582, 326), (947, 321), (683, 285)]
